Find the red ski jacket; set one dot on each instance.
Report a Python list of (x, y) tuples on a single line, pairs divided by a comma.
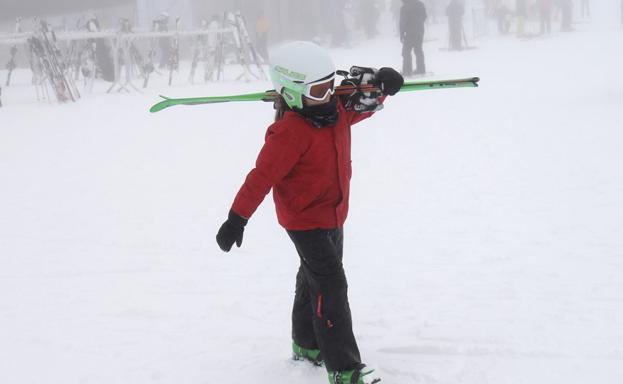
[(308, 169)]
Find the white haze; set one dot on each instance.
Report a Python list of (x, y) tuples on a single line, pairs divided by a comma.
[(484, 242)]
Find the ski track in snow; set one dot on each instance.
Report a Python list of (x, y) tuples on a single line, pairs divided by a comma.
[(484, 243)]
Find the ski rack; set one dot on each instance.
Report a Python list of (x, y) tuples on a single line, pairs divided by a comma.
[(48, 65), (119, 40), (245, 49), (122, 60), (21, 38), (209, 50), (174, 52)]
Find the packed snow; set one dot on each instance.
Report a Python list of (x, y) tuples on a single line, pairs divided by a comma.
[(484, 242)]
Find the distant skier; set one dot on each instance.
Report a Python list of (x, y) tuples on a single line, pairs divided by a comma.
[(455, 12), (502, 15), (306, 161), (545, 15), (412, 18)]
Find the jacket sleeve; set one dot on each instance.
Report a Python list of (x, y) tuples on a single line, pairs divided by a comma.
[(282, 149)]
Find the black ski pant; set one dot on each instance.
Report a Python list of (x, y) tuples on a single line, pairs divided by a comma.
[(412, 44), (321, 316)]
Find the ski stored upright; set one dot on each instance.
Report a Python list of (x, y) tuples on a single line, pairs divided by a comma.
[(271, 95)]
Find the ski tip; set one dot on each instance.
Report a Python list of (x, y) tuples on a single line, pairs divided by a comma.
[(164, 97)]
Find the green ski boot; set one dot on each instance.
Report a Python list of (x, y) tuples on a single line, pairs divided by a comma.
[(355, 376), (311, 355)]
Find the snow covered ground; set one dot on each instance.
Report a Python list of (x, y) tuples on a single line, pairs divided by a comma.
[(484, 244)]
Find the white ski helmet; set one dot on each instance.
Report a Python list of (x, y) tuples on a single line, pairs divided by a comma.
[(302, 68)]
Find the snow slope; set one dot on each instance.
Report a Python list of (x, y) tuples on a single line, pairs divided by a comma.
[(484, 244)]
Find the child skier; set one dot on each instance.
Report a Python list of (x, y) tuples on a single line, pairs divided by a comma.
[(306, 161)]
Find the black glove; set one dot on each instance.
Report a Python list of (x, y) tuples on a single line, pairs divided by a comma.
[(362, 101), (389, 80), (231, 231)]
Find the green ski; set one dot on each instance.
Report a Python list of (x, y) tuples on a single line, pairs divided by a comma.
[(271, 95)]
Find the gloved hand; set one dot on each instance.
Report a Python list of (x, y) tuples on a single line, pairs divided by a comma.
[(231, 231), (389, 80), (362, 101)]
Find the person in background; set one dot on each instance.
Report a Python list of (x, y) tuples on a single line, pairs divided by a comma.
[(545, 16), (502, 15), (455, 12), (412, 18)]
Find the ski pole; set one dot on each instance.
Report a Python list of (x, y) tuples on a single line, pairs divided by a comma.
[(271, 95)]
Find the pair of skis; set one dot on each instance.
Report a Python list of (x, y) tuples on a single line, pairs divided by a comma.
[(47, 55), (271, 95)]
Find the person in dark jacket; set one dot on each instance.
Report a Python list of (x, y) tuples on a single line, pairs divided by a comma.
[(412, 18), (455, 12), (306, 161)]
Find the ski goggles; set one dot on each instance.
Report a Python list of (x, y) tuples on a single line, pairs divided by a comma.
[(320, 89)]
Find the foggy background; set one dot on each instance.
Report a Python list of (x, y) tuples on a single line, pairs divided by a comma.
[(484, 242), (332, 22)]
